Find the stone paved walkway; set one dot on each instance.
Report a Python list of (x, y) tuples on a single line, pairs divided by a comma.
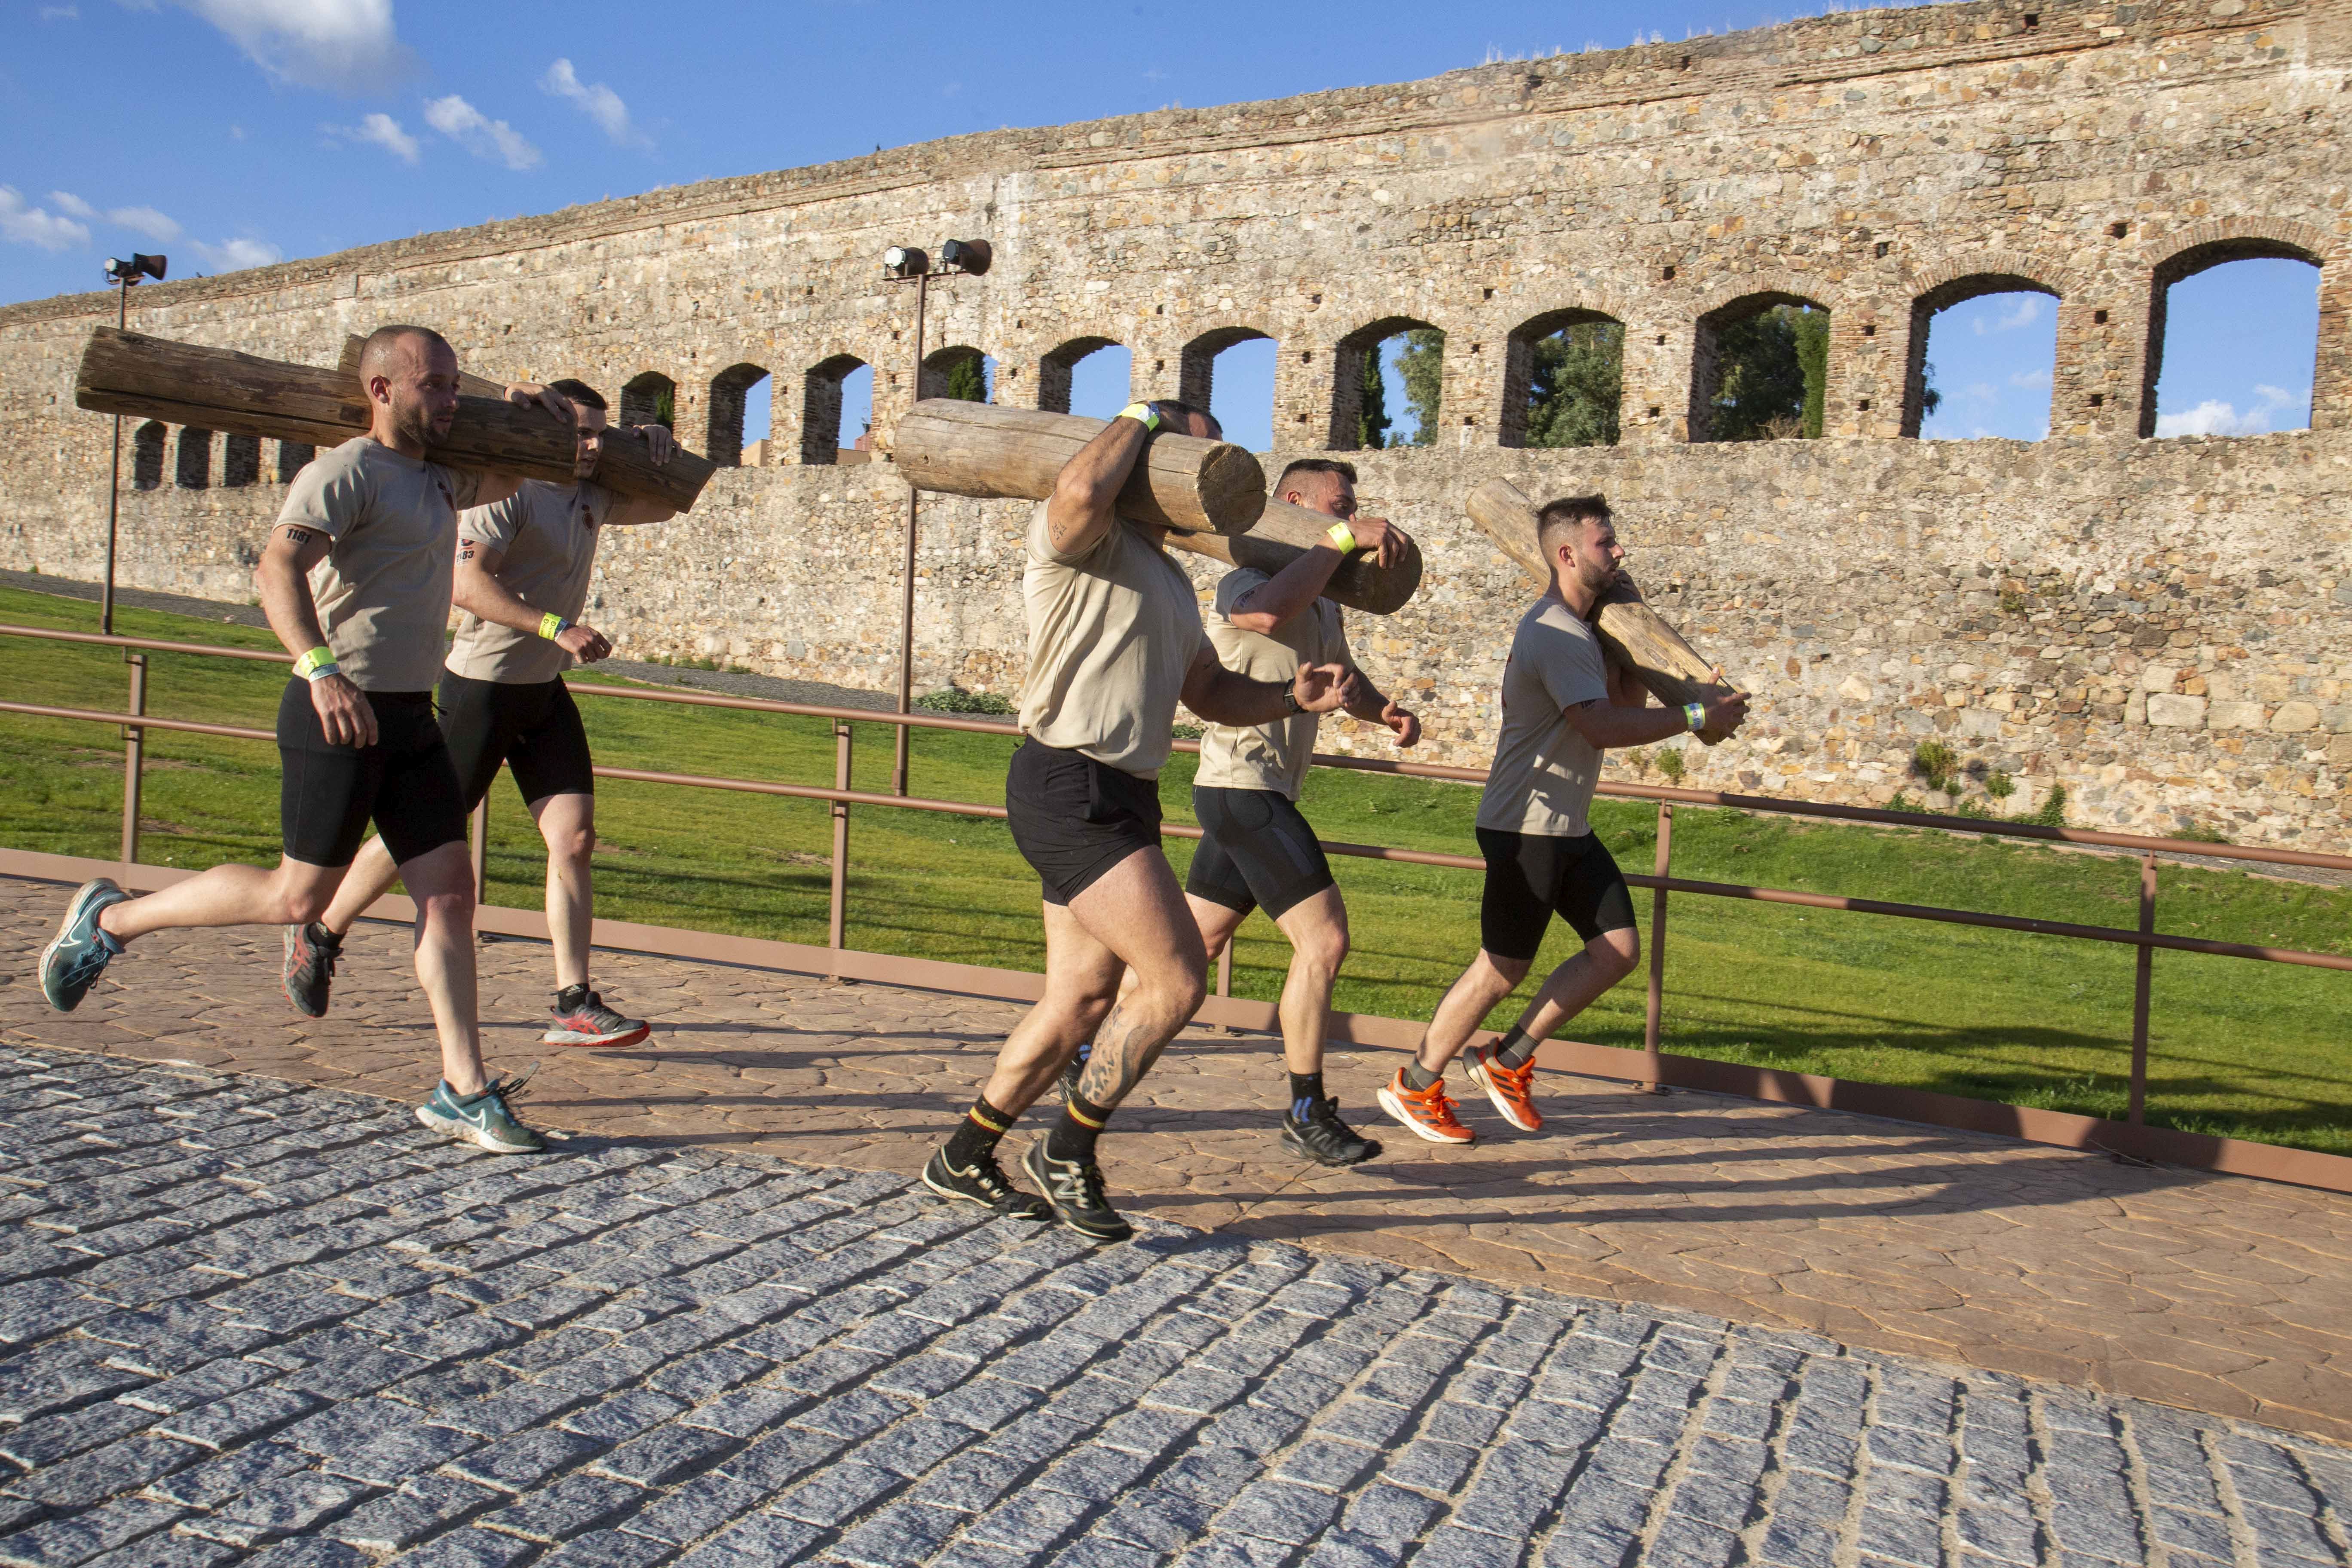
[(2218, 1294), (250, 1322)]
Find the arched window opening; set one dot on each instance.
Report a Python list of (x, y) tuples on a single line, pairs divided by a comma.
[(240, 462), (1563, 379), (1085, 375), (194, 468), (959, 371), (837, 401), (1759, 368), (1230, 372), (293, 457), (740, 397), (1983, 349), (2232, 341), (147, 456), (649, 399), (1388, 385)]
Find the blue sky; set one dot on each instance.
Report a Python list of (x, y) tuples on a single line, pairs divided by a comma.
[(232, 132)]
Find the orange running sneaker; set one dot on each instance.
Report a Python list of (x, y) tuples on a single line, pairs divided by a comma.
[(1426, 1110), (1507, 1086)]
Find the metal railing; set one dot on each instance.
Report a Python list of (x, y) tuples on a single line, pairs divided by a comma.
[(841, 797)]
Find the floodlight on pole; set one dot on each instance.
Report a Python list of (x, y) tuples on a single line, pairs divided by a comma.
[(124, 274)]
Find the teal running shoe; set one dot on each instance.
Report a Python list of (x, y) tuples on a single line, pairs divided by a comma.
[(81, 952), (484, 1119)]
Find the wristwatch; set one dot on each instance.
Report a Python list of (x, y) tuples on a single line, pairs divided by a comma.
[(1290, 699)]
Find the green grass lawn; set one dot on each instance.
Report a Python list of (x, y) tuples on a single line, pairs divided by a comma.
[(2248, 1050)]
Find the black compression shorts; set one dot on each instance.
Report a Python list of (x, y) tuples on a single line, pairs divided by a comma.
[(328, 794), (533, 727), (1073, 818), (1531, 877), (1256, 851)]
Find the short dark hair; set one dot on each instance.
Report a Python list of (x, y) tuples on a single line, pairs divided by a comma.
[(380, 342), (1177, 405), (1314, 466), (1567, 511), (580, 392)]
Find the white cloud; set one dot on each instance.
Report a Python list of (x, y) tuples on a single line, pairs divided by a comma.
[(24, 225), (480, 135), (1981, 391), (235, 255), (380, 130), (347, 45), (2023, 310), (2030, 378), (145, 222), (2215, 417), (60, 12), (597, 101)]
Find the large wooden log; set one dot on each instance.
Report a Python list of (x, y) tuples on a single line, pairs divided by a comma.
[(1284, 533), (980, 449), (218, 389), (1632, 635), (468, 383)]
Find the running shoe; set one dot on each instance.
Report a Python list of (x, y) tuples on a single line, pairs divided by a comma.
[(1074, 1190), (1427, 1112), (984, 1184), (591, 1023), (1324, 1138), (311, 953), (1508, 1086), (81, 952), (484, 1119)]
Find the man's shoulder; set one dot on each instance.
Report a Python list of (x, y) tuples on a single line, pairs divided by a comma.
[(1236, 584)]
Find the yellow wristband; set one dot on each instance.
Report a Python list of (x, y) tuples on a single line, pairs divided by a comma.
[(1342, 537), (1142, 413), (552, 625), (318, 662)]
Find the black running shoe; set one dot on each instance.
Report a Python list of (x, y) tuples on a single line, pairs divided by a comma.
[(1073, 1189), (311, 953), (1324, 1138), (985, 1185)]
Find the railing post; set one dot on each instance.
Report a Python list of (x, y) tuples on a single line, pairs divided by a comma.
[(1650, 1029), (1225, 966), (2143, 981), (835, 920), (134, 756), (477, 835)]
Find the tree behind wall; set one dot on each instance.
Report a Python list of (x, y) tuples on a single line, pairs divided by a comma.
[(1421, 364), (1577, 385), (1774, 369), (1372, 405), (965, 381)]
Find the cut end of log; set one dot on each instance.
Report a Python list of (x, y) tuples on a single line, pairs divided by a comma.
[(1232, 487)]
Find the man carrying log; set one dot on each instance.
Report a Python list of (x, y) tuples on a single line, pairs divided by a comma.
[(1115, 641), (523, 568), (355, 581), (1562, 706)]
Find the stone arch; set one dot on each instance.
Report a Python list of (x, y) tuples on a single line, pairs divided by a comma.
[(147, 456), (643, 398), (1956, 284), (821, 407), (1519, 359), (240, 462), (723, 440), (1728, 307), (1350, 359), (2241, 239), (941, 364), (1196, 364), (192, 467), (1053, 372)]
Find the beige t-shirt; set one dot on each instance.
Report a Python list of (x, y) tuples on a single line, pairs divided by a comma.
[(383, 591), (1543, 773), (1111, 633), (1266, 756), (547, 533)]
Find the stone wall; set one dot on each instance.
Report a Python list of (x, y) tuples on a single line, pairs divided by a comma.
[(2149, 622)]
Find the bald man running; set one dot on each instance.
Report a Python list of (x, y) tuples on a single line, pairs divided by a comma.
[(1115, 641), (355, 579)]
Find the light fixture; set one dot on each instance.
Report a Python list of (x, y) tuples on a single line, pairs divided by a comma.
[(904, 261), (128, 272), (971, 256)]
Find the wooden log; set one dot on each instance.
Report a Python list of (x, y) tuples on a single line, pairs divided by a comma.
[(218, 389), (980, 449), (1632, 634), (468, 383), (1284, 533)]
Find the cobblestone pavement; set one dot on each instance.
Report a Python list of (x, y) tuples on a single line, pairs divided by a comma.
[(245, 1319), (2218, 1294)]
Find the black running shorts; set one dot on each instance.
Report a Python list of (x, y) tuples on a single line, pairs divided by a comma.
[(1256, 852), (405, 782), (1073, 818), (533, 727), (1531, 877)]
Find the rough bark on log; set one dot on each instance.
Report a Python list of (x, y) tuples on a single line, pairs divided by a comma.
[(468, 383), (1631, 633), (1284, 533), (218, 389), (980, 449)]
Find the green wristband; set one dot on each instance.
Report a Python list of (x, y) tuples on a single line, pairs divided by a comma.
[(1142, 413), (552, 625), (1695, 715), (1342, 537), (319, 662)]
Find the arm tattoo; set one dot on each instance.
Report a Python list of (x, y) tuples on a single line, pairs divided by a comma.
[(299, 535)]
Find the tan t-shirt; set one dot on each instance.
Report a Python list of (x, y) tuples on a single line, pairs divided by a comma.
[(383, 591), (1266, 756), (1111, 633), (1543, 773), (547, 534)]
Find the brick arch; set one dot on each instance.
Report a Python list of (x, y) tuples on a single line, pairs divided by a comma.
[(1736, 302), (641, 397), (1196, 362), (729, 406), (2184, 253), (941, 363), (2039, 273), (821, 431), (2263, 235), (1799, 285), (1519, 355), (1956, 281), (1349, 357), (1057, 366)]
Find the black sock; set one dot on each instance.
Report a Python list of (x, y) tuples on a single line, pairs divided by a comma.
[(976, 1136), (1513, 1049), (1072, 1137), (1418, 1077), (1306, 1092), (325, 937), (572, 996)]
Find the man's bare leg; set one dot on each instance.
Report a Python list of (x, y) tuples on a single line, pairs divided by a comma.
[(1317, 930), (1574, 986), (228, 896), (441, 882), (568, 825), (371, 876)]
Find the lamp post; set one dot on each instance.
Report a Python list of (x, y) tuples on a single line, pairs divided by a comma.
[(905, 264), (124, 274)]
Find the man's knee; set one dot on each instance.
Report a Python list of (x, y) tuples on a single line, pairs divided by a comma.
[(1323, 949), (1178, 991), (450, 906), (305, 904), (1502, 975), (571, 845), (1616, 952)]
